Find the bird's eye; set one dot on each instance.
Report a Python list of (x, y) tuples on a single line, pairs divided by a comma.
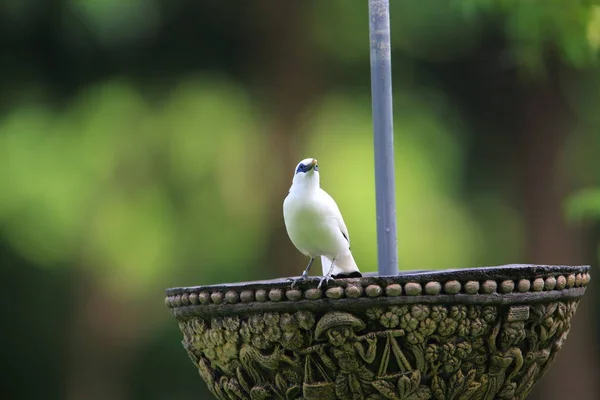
[(316, 168)]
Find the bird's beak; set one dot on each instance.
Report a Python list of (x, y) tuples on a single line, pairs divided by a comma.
[(313, 163)]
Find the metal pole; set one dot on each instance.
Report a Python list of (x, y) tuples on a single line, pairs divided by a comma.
[(383, 132)]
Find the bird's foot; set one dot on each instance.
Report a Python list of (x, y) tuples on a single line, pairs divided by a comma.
[(295, 281), (325, 279)]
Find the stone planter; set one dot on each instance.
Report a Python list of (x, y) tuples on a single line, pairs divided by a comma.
[(484, 333)]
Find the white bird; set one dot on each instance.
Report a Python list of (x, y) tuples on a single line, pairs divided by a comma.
[(315, 225)]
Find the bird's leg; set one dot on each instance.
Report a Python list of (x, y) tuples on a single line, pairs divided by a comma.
[(327, 277), (304, 274)]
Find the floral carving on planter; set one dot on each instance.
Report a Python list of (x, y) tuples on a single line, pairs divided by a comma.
[(448, 344)]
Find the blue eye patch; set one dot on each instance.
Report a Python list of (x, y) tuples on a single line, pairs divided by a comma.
[(306, 168)]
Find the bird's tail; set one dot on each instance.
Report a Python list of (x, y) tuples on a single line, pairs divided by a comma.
[(344, 267)]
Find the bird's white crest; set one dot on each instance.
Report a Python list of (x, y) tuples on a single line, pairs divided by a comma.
[(314, 223), (306, 180)]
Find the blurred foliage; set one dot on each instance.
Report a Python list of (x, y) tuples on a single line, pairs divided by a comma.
[(137, 152), (581, 149), (585, 204), (97, 181), (448, 30), (534, 26)]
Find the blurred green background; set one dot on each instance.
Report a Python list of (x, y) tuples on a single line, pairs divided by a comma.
[(146, 144)]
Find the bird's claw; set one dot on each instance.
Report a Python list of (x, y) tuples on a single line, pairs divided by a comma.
[(296, 280), (324, 279)]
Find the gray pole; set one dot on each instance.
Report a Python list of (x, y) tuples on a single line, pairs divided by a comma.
[(383, 132)]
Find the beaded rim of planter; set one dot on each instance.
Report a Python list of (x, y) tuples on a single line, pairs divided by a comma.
[(517, 282), (469, 334)]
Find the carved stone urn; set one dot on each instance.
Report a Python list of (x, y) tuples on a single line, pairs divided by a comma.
[(483, 333)]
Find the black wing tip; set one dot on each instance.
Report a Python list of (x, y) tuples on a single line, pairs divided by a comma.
[(344, 235)]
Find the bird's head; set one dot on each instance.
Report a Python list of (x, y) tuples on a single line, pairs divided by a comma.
[(306, 173)]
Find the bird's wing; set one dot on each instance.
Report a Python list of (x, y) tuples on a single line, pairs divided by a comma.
[(334, 212)]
